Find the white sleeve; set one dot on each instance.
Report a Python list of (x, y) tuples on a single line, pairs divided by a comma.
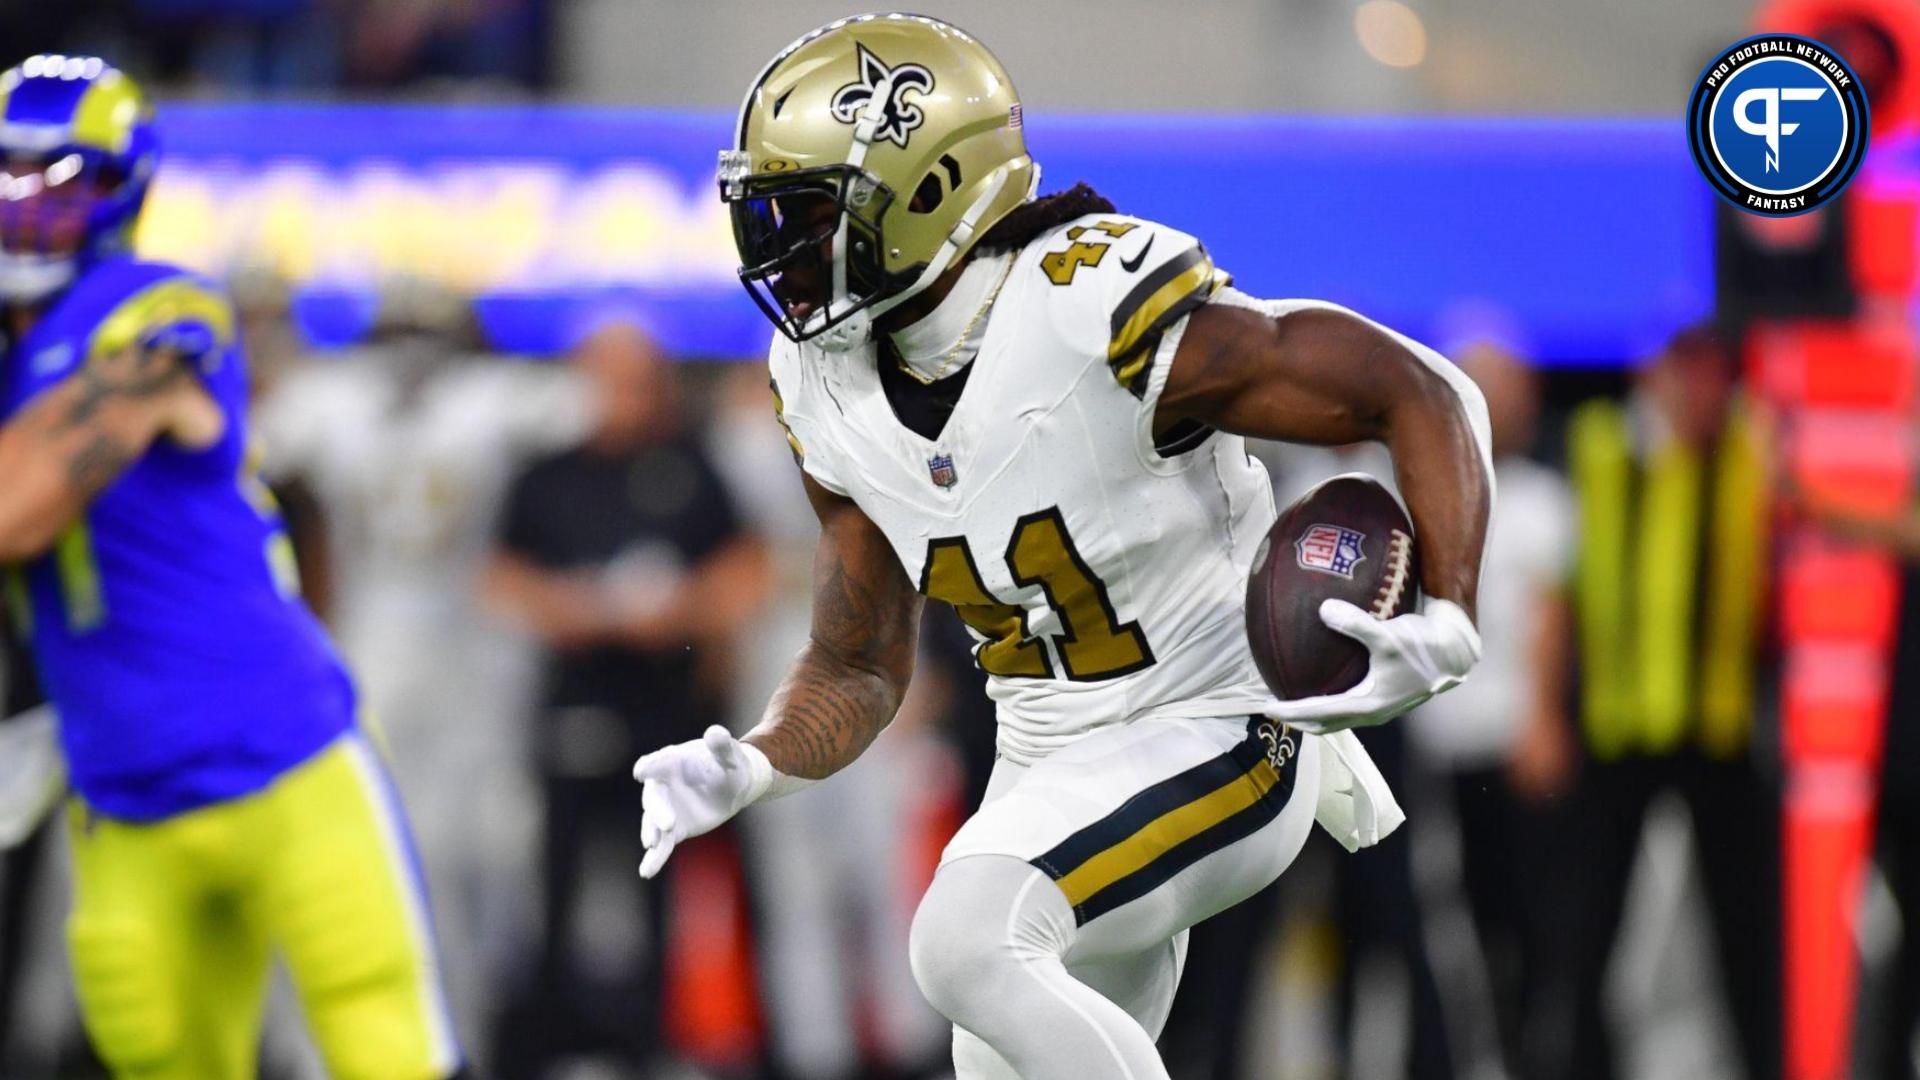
[(1120, 290), (1121, 287), (295, 423), (541, 407), (797, 401)]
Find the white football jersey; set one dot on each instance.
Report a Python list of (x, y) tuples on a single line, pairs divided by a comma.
[(1104, 578)]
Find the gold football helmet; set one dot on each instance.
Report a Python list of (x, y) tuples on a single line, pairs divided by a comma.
[(870, 156)]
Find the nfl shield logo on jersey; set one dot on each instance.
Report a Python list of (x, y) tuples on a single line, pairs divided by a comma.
[(941, 468), (1330, 549)]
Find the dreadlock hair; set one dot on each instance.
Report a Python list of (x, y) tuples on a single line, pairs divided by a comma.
[(1030, 219)]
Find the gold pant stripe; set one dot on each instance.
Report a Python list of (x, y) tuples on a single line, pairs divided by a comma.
[(1168, 831)]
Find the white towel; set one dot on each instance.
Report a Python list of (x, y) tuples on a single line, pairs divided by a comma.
[(1356, 806), (33, 773)]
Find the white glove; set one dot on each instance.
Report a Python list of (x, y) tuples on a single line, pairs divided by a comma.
[(33, 773), (692, 788), (1410, 658)]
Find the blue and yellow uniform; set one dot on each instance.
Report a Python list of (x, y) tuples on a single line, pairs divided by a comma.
[(226, 805), (166, 620)]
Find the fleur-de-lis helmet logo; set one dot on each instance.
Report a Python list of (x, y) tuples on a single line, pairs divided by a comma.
[(900, 116)]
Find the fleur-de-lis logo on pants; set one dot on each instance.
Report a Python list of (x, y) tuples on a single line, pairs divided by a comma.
[(1279, 743), (899, 116)]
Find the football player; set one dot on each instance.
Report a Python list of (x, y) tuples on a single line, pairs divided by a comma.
[(1033, 410), (226, 805)]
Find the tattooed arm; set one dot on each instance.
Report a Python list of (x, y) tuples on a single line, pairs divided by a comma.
[(70, 442), (851, 674), (844, 687)]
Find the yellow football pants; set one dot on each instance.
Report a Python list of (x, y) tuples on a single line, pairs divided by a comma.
[(174, 923)]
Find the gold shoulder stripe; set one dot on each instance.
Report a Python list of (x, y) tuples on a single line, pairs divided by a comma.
[(173, 300), (1171, 291)]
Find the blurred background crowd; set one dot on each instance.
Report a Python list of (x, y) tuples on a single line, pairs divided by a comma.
[(1668, 830)]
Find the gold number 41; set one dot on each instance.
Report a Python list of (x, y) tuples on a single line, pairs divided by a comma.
[(1060, 266), (1093, 643)]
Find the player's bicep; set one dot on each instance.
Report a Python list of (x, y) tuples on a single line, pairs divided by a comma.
[(1314, 374), (866, 613)]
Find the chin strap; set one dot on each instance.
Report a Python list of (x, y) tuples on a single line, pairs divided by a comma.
[(960, 239), (856, 329)]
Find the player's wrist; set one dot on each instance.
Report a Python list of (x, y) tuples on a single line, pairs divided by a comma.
[(1453, 645), (1454, 620), (765, 782)]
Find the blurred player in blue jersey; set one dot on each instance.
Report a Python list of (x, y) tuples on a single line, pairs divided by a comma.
[(227, 807)]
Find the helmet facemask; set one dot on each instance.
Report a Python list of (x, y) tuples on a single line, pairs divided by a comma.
[(896, 140), (811, 245), (53, 208), (829, 223), (77, 152)]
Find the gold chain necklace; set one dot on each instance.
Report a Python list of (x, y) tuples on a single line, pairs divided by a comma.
[(966, 335)]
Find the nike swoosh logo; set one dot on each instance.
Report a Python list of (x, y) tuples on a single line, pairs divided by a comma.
[(1130, 265)]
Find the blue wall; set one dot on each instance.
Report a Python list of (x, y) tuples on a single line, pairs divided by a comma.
[(1594, 235)]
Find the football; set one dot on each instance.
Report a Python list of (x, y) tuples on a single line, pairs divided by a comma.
[(1346, 539)]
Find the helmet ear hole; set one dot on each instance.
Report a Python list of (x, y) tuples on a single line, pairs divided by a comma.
[(928, 196)]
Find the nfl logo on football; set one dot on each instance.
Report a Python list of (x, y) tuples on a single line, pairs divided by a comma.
[(940, 466), (1330, 549)]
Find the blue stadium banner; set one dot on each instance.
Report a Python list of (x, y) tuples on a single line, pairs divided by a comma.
[(1589, 240)]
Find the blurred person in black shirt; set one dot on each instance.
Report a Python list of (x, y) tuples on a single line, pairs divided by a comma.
[(625, 558)]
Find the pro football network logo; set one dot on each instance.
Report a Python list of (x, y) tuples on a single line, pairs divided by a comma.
[(1330, 549), (1778, 124), (898, 117)]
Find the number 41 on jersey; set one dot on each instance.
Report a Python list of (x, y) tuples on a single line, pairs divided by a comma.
[(1093, 644)]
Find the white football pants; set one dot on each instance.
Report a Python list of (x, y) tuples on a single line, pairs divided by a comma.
[(1054, 933)]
